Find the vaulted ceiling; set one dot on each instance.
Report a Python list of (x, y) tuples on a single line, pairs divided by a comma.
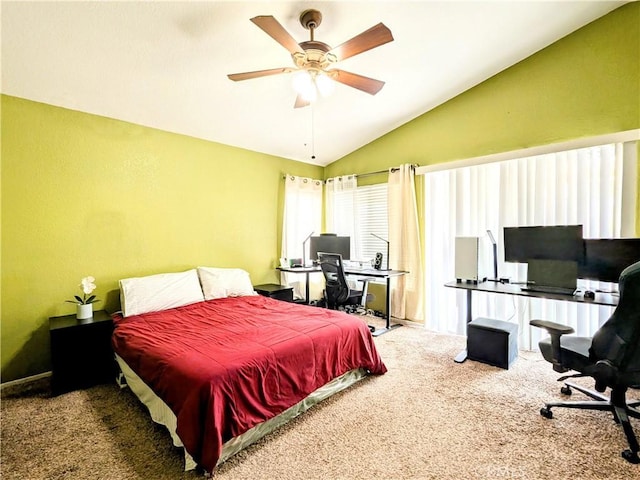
[(165, 64)]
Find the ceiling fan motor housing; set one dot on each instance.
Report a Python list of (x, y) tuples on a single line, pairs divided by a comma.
[(315, 56)]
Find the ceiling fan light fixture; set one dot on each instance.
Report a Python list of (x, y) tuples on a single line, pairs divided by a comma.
[(325, 84), (304, 85), (309, 83)]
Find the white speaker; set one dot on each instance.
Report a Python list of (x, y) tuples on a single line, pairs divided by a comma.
[(471, 259)]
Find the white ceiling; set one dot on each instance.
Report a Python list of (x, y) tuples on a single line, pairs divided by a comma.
[(164, 64)]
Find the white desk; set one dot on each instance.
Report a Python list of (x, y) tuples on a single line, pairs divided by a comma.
[(358, 272)]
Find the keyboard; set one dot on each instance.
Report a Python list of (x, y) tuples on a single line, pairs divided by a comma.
[(365, 271), (549, 289)]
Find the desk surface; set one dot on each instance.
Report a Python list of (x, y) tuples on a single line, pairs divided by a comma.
[(367, 272), (511, 289)]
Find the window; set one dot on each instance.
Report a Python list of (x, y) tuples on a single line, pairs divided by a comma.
[(371, 220), (358, 212)]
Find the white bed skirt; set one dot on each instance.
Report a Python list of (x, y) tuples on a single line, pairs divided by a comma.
[(162, 414)]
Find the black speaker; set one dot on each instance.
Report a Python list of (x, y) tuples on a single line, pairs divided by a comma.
[(377, 262)]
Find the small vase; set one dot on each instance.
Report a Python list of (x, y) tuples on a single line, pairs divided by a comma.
[(84, 311)]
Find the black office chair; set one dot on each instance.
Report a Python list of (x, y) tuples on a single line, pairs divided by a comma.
[(611, 357), (337, 292)]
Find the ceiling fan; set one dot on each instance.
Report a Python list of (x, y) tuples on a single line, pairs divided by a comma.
[(312, 58)]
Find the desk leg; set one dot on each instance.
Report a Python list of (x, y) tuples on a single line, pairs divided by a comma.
[(306, 289), (305, 300), (388, 326), (462, 356)]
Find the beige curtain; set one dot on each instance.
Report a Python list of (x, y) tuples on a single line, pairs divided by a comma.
[(407, 294)]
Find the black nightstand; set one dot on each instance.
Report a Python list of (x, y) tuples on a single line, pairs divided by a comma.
[(273, 290), (81, 353)]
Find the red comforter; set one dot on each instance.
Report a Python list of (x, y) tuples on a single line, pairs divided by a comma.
[(226, 365)]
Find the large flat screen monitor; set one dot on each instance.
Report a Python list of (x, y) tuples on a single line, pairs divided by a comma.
[(555, 242), (330, 244), (607, 257)]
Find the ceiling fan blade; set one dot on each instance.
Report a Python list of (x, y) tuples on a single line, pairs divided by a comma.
[(276, 31), (366, 84), (301, 102), (372, 38), (259, 73)]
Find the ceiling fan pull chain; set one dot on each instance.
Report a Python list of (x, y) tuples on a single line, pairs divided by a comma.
[(313, 135)]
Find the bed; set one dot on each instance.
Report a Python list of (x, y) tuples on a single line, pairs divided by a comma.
[(220, 366)]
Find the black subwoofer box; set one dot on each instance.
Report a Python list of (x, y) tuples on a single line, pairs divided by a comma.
[(492, 341)]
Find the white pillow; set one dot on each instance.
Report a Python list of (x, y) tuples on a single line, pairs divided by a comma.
[(225, 282), (159, 292)]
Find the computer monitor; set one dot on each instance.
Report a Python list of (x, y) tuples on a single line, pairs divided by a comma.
[(555, 242), (330, 244), (605, 258)]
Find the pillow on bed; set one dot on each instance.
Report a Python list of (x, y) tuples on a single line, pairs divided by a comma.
[(225, 282), (159, 292)]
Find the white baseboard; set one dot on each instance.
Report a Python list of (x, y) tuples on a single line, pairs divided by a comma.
[(24, 381)]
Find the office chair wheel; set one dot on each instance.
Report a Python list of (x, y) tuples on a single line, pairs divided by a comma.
[(631, 457), (546, 412), (566, 390)]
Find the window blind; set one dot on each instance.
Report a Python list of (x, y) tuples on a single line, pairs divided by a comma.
[(371, 218)]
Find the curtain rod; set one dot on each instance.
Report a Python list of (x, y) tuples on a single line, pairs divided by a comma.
[(394, 169), (390, 170), (379, 172), (369, 174)]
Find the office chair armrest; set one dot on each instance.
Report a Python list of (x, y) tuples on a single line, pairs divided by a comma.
[(555, 330), (552, 327)]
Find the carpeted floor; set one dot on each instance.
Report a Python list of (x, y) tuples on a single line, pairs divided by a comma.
[(427, 418)]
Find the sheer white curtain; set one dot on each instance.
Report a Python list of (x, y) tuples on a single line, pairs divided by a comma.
[(302, 216), (582, 186), (407, 292), (341, 215)]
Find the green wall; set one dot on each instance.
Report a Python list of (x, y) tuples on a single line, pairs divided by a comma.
[(86, 195), (586, 84)]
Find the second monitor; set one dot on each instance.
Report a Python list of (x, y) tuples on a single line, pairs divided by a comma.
[(330, 243), (552, 242)]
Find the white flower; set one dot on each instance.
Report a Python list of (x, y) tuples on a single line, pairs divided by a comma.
[(87, 285)]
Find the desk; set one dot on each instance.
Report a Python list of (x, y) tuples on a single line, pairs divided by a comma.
[(357, 272), (511, 289)]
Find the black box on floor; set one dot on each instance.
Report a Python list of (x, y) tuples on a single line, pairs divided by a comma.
[(492, 341)]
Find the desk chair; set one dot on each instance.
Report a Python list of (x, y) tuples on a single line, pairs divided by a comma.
[(337, 291), (611, 357)]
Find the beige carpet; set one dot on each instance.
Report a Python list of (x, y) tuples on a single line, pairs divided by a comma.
[(427, 418)]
